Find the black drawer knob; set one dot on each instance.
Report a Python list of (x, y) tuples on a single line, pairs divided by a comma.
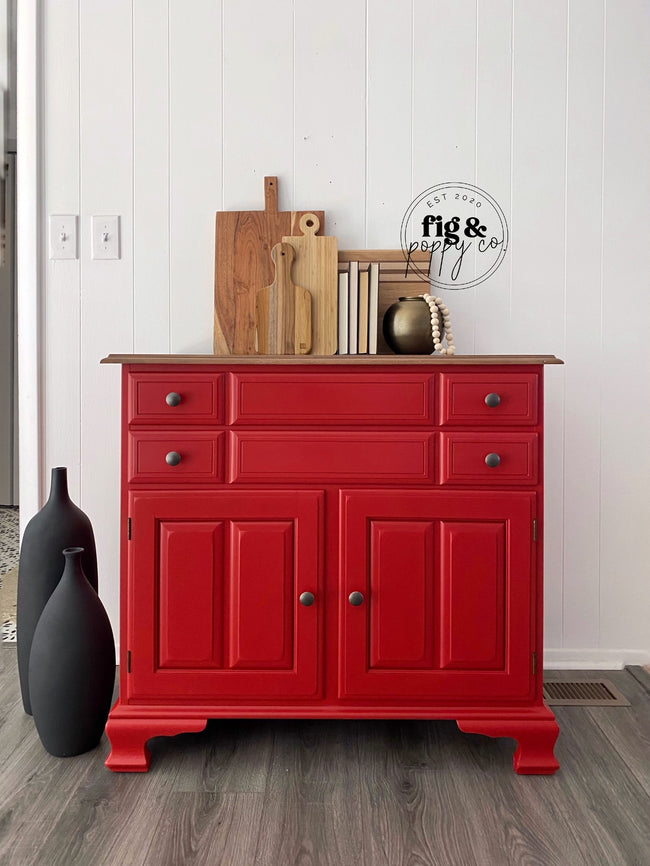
[(173, 458), (307, 598), (356, 598), (492, 400), (173, 398), (492, 460)]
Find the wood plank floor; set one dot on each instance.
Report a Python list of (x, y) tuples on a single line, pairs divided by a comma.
[(332, 793)]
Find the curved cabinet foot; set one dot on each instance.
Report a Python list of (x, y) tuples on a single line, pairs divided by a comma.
[(535, 735), (128, 736)]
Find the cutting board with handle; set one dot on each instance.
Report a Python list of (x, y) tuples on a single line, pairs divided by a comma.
[(316, 268), (243, 265), (283, 313)]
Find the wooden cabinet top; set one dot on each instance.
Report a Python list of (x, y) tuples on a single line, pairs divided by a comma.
[(356, 360)]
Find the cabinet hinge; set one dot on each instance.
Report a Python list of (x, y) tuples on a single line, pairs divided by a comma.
[(534, 663), (128, 661), (128, 529), (534, 530)]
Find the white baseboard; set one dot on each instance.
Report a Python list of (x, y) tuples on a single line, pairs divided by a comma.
[(593, 659)]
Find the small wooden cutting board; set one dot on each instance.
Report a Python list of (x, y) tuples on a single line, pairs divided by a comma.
[(243, 265), (283, 312), (316, 268)]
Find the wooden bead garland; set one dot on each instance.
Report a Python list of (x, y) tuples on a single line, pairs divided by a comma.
[(440, 318)]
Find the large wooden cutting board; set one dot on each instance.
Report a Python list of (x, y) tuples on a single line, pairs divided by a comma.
[(316, 268), (243, 265), (283, 310)]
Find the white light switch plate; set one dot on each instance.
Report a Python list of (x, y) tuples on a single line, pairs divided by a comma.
[(105, 234), (63, 236)]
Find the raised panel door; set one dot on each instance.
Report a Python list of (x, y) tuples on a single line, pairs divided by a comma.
[(215, 579), (446, 580)]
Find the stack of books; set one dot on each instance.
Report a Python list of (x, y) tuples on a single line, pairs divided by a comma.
[(358, 309)]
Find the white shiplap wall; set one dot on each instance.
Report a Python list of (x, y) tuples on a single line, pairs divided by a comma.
[(165, 111)]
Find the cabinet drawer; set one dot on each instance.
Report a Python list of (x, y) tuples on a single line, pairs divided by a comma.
[(513, 397), (330, 457), (331, 398), (513, 455), (201, 456), (178, 398)]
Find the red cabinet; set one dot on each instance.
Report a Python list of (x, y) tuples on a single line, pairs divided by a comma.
[(352, 538)]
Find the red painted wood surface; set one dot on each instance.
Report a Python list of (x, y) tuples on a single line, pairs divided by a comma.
[(474, 572), (330, 457), (201, 398), (447, 579), (226, 569), (326, 399), (331, 479), (262, 595), (462, 398), (190, 607), (462, 458), (202, 456), (402, 624), (536, 736)]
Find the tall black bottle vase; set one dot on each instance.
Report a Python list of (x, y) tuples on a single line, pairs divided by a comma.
[(72, 664), (59, 524)]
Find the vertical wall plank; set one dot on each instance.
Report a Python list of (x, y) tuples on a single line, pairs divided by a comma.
[(625, 379), (537, 253), (330, 116), (62, 300), (106, 137), (582, 352), (195, 169), (388, 134), (538, 175), (444, 119), (493, 162), (257, 103), (150, 176)]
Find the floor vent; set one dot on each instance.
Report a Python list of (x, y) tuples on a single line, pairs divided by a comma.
[(584, 693)]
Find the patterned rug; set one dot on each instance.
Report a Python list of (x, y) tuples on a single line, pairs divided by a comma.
[(9, 552), (8, 592)]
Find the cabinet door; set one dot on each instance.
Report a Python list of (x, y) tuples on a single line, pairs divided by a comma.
[(213, 598), (446, 580)]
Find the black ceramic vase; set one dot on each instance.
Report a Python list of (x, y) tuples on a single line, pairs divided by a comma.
[(72, 664), (57, 525)]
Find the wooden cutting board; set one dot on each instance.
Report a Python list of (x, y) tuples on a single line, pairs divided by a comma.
[(316, 268), (283, 310), (243, 265)]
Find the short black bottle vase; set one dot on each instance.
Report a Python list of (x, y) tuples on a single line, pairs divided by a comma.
[(72, 664), (59, 524)]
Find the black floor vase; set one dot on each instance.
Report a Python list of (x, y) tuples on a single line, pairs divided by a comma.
[(59, 524), (72, 665)]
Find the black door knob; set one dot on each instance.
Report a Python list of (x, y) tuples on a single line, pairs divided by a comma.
[(356, 598), (492, 460), (492, 400)]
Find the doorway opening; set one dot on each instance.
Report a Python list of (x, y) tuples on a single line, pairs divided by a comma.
[(9, 518)]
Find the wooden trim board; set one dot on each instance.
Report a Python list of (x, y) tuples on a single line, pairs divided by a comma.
[(356, 360)]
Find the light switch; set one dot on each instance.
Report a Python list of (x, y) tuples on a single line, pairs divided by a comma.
[(63, 236), (105, 233)]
